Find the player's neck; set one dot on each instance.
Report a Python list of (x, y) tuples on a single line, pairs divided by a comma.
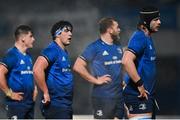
[(146, 31), (107, 39), (60, 43), (20, 47)]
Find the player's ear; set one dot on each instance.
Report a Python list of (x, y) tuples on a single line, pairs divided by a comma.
[(23, 40), (109, 30), (22, 37)]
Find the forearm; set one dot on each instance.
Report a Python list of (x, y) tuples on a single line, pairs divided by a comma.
[(3, 82), (86, 75), (3, 85), (80, 67)]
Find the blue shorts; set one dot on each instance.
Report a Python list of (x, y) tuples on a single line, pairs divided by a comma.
[(107, 108), (137, 105), (19, 111), (55, 112)]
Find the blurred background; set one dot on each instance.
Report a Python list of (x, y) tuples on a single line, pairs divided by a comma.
[(84, 15)]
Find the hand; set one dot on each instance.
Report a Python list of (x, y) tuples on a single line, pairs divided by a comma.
[(35, 93), (143, 92), (46, 99), (104, 79), (17, 96)]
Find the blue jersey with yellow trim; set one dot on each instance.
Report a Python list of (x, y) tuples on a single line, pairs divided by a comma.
[(20, 75), (142, 46), (105, 59), (59, 78)]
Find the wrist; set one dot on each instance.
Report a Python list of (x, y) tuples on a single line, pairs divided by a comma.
[(46, 92), (139, 83), (9, 93)]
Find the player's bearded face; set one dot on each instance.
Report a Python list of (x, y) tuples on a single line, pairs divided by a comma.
[(115, 35), (115, 31)]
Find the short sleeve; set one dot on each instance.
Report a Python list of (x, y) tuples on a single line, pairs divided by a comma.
[(9, 60), (136, 45), (89, 53), (50, 54)]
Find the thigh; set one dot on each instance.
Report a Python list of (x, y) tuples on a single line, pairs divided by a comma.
[(30, 113), (120, 109), (104, 108), (56, 112)]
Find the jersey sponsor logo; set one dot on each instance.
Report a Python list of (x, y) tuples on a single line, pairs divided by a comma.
[(66, 70), (112, 62), (105, 53), (142, 106), (99, 113), (26, 72), (22, 62), (63, 58)]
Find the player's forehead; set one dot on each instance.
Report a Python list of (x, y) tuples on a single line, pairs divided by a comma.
[(28, 34)]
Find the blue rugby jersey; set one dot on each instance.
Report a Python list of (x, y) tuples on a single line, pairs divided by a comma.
[(20, 75), (142, 46), (59, 78), (105, 59)]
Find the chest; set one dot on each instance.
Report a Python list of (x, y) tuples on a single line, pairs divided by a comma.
[(149, 52), (108, 55), (63, 61), (24, 63)]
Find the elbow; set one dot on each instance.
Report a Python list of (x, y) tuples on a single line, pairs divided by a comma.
[(35, 71), (124, 62), (75, 68)]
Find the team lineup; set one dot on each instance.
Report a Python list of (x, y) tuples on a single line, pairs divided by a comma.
[(123, 80)]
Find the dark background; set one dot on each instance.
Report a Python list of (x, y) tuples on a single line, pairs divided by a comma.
[(84, 15)]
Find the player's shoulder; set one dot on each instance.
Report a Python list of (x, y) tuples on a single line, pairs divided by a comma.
[(96, 43), (139, 34), (52, 47), (11, 56), (12, 52)]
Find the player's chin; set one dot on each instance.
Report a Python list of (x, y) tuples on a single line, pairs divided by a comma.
[(67, 43), (30, 46), (155, 30)]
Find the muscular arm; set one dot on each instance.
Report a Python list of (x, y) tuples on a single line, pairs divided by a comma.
[(3, 82), (80, 67), (129, 65), (39, 68), (4, 87), (128, 62)]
